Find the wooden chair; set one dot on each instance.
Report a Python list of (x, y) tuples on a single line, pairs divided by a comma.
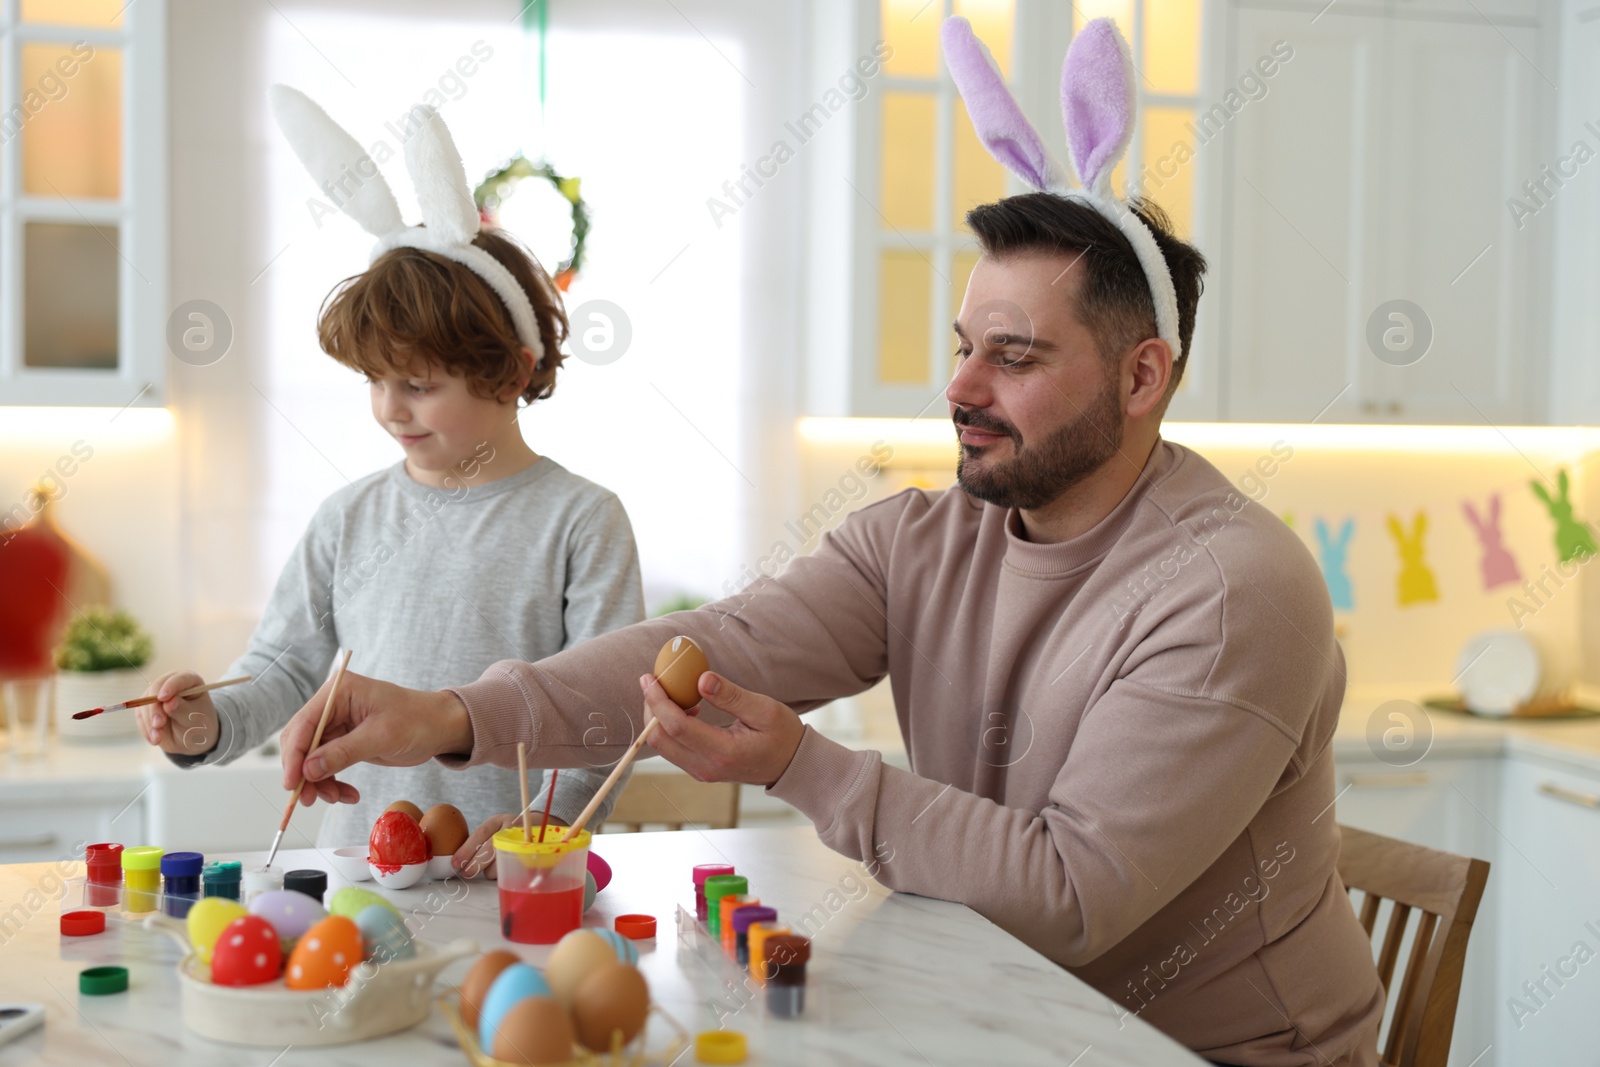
[(1444, 889), (673, 800)]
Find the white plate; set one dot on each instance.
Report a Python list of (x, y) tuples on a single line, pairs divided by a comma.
[(1497, 671)]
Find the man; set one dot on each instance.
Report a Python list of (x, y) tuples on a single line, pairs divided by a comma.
[(1116, 678)]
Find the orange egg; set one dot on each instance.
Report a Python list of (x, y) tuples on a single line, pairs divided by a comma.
[(679, 665), (407, 807), (610, 1005), (475, 986), (535, 1031), (445, 828), (324, 955)]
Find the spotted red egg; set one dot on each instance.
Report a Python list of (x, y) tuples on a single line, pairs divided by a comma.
[(324, 955), (247, 953), (396, 840)]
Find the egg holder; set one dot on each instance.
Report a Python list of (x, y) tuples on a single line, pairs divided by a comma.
[(637, 1053), (378, 1000)]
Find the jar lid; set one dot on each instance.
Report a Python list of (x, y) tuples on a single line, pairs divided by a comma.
[(752, 913), (720, 885), (223, 871), (141, 858), (312, 883), (787, 950), (710, 870), (82, 923), (98, 981), (106, 852), (720, 1046), (636, 927), (182, 864)]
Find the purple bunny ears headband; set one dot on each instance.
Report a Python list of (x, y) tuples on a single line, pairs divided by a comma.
[(1097, 100), (337, 161)]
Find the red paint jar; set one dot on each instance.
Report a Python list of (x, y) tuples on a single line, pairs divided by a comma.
[(104, 886), (701, 873)]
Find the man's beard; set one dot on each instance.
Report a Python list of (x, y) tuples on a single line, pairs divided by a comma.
[(1040, 473)]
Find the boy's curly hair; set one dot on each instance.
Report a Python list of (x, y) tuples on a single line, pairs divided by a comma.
[(414, 308)]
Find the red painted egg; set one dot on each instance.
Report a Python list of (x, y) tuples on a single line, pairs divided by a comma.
[(247, 953), (324, 955), (396, 840)]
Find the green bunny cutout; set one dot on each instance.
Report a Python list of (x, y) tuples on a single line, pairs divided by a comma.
[(1574, 539), (1416, 578)]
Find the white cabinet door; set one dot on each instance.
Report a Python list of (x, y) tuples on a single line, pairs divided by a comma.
[(1457, 138), (1572, 222), (1447, 804), (1549, 969), (1377, 169), (1292, 269)]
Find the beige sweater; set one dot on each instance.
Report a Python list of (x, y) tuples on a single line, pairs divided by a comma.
[(1120, 743)]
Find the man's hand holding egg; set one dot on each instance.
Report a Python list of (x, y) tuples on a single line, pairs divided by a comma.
[(755, 748)]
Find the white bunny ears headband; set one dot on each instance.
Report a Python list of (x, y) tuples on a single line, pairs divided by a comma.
[(336, 161), (1098, 103)]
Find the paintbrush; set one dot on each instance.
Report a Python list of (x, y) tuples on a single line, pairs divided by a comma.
[(316, 739), (139, 702)]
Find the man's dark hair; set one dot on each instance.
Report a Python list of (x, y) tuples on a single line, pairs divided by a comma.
[(1114, 300)]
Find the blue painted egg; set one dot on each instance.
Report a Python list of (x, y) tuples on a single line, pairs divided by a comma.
[(384, 936), (515, 983), (625, 949), (291, 913)]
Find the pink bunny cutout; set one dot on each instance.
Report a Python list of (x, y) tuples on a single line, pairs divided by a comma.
[(1098, 106), (1499, 566)]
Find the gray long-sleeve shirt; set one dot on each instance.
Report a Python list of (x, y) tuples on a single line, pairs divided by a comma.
[(429, 587)]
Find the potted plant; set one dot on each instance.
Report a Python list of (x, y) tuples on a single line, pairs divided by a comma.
[(98, 663)]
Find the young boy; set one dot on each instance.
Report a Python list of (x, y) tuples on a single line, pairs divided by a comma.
[(471, 550)]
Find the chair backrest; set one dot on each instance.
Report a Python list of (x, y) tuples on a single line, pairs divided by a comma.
[(1444, 889), (674, 800)]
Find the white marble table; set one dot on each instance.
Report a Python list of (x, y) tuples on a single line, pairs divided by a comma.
[(894, 978)]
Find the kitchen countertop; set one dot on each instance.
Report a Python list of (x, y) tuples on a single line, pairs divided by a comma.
[(1572, 742), (894, 978)]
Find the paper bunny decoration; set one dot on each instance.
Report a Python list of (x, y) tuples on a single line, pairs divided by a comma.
[(1331, 554), (1499, 566), (450, 216), (1415, 582), (1574, 539), (1098, 106)]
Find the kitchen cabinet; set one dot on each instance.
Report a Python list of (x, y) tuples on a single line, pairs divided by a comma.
[(1376, 168), (1447, 804), (1549, 947), (1572, 221)]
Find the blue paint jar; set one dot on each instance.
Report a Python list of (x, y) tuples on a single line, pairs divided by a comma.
[(180, 882)]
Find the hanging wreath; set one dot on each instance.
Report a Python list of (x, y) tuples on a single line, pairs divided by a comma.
[(497, 187)]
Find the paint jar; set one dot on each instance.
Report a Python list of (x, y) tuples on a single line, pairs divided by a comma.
[(312, 883), (258, 880), (787, 955), (541, 883), (180, 882), (141, 874), (725, 909), (757, 936), (103, 887), (717, 887), (701, 873), (742, 920), (221, 879)]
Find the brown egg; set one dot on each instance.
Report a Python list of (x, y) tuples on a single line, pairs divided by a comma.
[(407, 807), (612, 1000), (571, 961), (535, 1030), (445, 828), (475, 986), (679, 665)]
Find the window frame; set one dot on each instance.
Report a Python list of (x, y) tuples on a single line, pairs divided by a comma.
[(139, 213), (1042, 32)]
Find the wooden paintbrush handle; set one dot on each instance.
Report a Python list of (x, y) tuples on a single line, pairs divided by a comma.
[(316, 739), (611, 780)]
